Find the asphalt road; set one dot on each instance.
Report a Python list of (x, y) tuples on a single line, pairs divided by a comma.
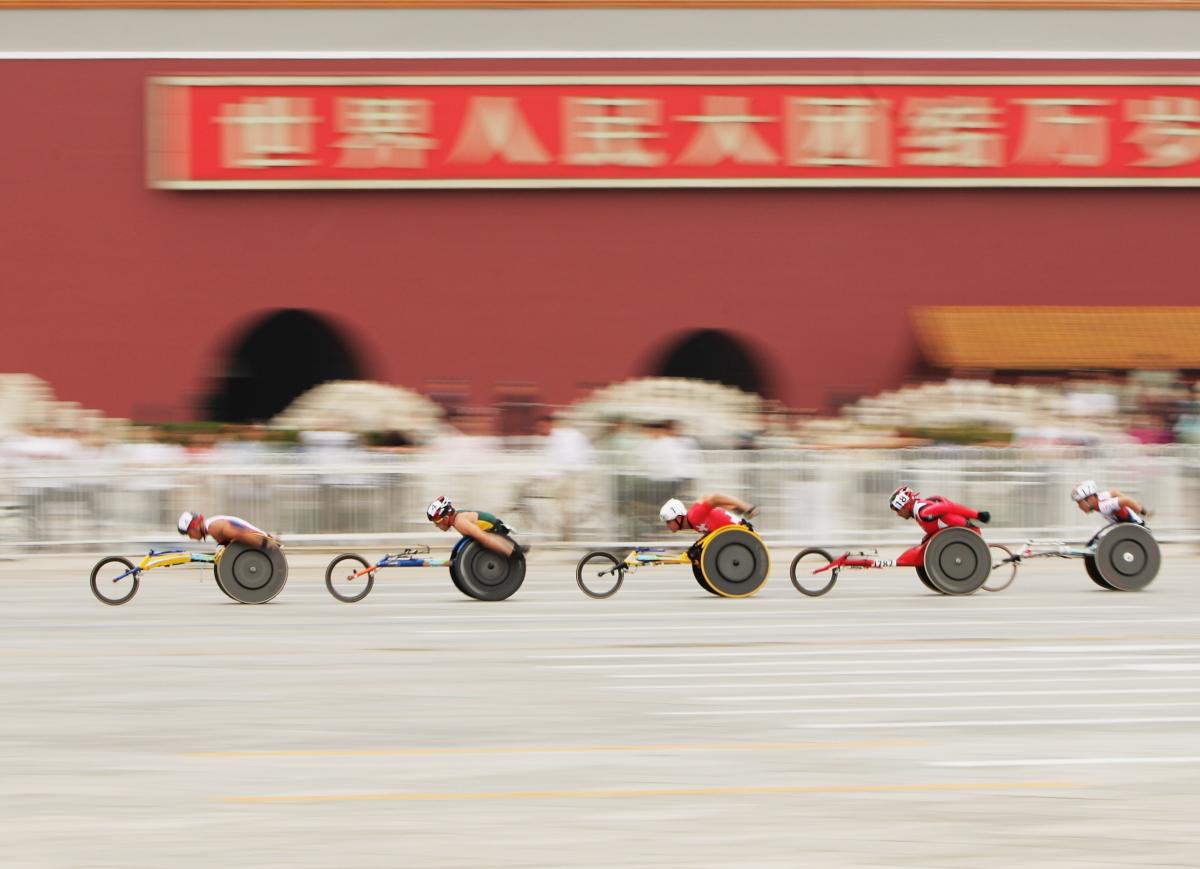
[(1053, 724)]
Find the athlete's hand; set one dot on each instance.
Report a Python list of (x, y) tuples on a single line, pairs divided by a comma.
[(752, 512), (984, 516)]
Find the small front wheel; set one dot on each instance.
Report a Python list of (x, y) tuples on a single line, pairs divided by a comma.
[(804, 572), (113, 580), (600, 575), (346, 581), (1004, 568)]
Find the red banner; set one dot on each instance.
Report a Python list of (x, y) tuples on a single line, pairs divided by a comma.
[(672, 131)]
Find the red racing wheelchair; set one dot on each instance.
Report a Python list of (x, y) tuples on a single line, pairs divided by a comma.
[(953, 561)]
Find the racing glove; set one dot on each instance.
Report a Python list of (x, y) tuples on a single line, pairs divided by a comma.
[(984, 516)]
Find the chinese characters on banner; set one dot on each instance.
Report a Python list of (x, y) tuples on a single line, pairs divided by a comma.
[(684, 131)]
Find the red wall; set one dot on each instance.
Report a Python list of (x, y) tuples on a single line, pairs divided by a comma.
[(122, 297)]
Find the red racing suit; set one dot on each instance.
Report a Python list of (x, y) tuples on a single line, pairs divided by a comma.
[(706, 518), (933, 514)]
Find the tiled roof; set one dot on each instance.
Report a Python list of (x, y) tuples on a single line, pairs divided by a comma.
[(1056, 338)]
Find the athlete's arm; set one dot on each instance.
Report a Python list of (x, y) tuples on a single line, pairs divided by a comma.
[(495, 542), (728, 502), (1129, 503), (948, 511), (225, 532)]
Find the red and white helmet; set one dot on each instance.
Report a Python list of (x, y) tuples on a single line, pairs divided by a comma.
[(186, 520), (440, 507), (901, 498)]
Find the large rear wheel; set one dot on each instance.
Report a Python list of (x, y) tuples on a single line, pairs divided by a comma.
[(485, 574), (734, 561), (957, 561), (1128, 557), (250, 574)]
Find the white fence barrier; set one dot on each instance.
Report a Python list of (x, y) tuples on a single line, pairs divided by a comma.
[(805, 496)]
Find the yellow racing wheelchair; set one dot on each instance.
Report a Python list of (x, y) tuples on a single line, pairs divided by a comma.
[(730, 562), (246, 574)]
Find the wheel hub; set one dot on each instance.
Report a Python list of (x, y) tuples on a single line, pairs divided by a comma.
[(735, 563), (252, 570), (1129, 558)]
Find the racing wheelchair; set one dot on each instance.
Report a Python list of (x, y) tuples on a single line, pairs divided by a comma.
[(477, 571), (953, 561), (246, 574), (730, 562), (1119, 557)]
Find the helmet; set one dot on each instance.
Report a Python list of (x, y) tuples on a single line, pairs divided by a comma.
[(440, 507), (901, 498), (673, 509), (186, 519), (1084, 490)]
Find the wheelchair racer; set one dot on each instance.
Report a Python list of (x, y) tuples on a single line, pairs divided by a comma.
[(1114, 506), (475, 524), (932, 513), (224, 530), (707, 514)]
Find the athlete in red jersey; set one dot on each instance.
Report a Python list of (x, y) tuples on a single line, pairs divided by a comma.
[(932, 514), (706, 515)]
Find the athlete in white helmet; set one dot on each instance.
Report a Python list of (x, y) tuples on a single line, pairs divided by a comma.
[(706, 515), (224, 530), (1112, 505)]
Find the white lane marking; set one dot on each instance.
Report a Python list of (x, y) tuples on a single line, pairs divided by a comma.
[(601, 612), (1064, 761), (1110, 678), (908, 650), (825, 626), (994, 722), (856, 710), (940, 661), (832, 673), (911, 695), (1156, 666)]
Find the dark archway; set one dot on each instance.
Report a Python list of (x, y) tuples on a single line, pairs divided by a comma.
[(713, 354), (278, 358)]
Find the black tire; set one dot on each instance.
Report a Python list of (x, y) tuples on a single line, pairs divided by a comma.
[(1128, 557), (340, 578), (806, 582), (599, 575), (103, 576), (455, 558), (957, 561), (734, 561), (1004, 568), (699, 574), (1089, 564), (252, 575), (217, 577), (485, 574), (924, 577)]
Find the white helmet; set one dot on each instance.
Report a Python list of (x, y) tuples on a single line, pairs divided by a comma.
[(673, 509), (185, 521), (1084, 490)]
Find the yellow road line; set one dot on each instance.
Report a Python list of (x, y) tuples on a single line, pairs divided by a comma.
[(567, 749), (732, 790)]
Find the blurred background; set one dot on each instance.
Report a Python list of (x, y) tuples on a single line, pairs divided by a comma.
[(317, 266)]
